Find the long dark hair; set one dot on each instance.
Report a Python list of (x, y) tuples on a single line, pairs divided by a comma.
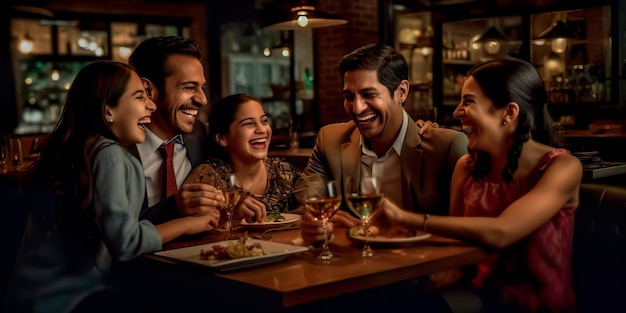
[(66, 157), (221, 116), (390, 66), (513, 80)]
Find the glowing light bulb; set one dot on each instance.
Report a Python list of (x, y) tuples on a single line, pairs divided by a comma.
[(83, 43), (124, 51), (267, 52), (26, 45), (558, 45), (492, 46), (303, 20), (55, 75)]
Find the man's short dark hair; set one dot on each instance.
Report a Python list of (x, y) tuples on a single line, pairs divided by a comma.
[(148, 59)]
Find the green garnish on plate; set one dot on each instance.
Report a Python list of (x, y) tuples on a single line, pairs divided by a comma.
[(274, 217)]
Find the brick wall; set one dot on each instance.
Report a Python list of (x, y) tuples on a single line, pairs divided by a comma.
[(331, 43)]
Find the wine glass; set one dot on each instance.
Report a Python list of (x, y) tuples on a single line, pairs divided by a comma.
[(233, 194), (322, 201), (363, 198), (15, 154)]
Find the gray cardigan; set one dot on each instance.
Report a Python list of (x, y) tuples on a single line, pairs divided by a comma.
[(55, 269)]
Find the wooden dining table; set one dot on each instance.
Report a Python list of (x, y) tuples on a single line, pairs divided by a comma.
[(301, 280)]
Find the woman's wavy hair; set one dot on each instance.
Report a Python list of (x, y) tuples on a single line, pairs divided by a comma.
[(65, 160), (221, 116), (513, 80)]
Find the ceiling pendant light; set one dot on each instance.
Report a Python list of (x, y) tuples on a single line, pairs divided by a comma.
[(305, 16), (558, 34), (492, 40)]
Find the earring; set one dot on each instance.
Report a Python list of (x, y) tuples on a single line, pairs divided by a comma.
[(503, 122), (111, 120)]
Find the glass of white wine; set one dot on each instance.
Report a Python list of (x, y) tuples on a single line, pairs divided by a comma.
[(323, 201), (233, 193), (363, 197)]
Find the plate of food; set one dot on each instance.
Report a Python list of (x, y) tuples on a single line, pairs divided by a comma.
[(378, 237), (233, 254), (273, 220)]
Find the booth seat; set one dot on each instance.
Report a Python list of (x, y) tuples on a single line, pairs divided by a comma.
[(599, 249)]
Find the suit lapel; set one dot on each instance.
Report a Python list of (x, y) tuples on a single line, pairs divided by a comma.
[(411, 164), (351, 156), (192, 150)]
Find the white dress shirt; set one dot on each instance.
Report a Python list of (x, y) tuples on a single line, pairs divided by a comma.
[(387, 167)]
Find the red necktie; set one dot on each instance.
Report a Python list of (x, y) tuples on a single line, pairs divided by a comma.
[(169, 187)]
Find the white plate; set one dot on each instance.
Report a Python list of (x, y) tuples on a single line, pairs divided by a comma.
[(289, 219), (273, 252), (382, 240)]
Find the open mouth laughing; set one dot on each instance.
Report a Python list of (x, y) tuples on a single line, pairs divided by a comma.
[(259, 142), (189, 112), (143, 121), (366, 118)]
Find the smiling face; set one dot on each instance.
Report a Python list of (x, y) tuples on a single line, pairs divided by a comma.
[(371, 107), (181, 98), (132, 112), (481, 119), (249, 133)]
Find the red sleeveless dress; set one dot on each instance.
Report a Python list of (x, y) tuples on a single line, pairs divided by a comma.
[(534, 273)]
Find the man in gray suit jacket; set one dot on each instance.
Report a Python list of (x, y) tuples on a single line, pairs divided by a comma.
[(382, 140)]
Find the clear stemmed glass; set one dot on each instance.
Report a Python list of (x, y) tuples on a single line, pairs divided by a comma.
[(233, 193), (363, 198), (322, 202)]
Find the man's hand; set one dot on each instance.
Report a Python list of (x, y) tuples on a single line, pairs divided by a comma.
[(424, 126), (198, 199), (311, 229)]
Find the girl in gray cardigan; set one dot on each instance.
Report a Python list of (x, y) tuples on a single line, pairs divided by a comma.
[(85, 197)]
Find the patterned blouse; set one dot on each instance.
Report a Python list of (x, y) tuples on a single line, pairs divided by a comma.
[(281, 176), (535, 273)]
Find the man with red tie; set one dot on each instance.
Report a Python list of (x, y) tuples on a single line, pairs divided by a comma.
[(171, 70)]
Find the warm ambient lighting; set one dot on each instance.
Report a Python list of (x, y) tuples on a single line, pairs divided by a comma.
[(55, 75), (305, 15), (492, 40), (26, 45), (558, 34), (284, 48), (124, 51), (303, 20)]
